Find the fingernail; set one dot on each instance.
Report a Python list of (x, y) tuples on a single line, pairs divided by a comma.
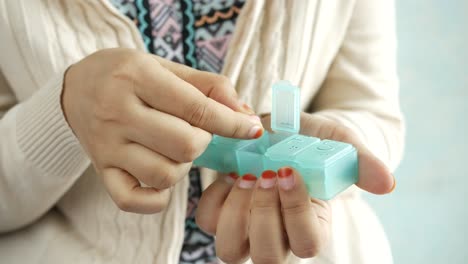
[(231, 177), (255, 132), (247, 181), (268, 179), (286, 178), (394, 185)]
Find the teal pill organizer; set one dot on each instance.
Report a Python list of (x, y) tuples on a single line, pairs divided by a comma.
[(328, 167)]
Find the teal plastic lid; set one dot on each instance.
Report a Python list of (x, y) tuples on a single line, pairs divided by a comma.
[(286, 110)]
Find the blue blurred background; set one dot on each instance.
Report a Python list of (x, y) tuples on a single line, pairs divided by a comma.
[(426, 217)]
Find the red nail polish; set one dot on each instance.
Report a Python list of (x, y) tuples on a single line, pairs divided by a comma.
[(285, 181), (247, 181), (268, 179), (249, 177), (268, 174), (285, 172), (259, 133), (233, 175), (255, 132)]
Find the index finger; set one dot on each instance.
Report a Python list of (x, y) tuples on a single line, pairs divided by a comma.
[(268, 243), (214, 86), (307, 221), (163, 90), (126, 191)]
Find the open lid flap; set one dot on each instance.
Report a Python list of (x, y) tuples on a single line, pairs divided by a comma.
[(286, 110)]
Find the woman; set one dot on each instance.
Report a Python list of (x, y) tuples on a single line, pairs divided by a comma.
[(86, 127)]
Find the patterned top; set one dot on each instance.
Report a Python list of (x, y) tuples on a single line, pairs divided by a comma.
[(195, 33)]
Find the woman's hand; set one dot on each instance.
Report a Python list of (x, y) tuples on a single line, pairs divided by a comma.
[(267, 218), (144, 119)]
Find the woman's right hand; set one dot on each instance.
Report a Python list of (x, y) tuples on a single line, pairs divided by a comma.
[(144, 119)]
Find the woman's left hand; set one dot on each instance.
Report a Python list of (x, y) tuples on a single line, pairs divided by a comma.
[(266, 218)]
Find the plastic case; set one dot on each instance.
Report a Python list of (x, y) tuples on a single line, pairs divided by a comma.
[(327, 167)]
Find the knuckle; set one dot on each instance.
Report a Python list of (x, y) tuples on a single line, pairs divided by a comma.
[(205, 223), (220, 86), (151, 174), (127, 60), (296, 209), (307, 249), (105, 108), (178, 171), (191, 148), (222, 81), (203, 139), (100, 143), (230, 255), (124, 202), (166, 177), (194, 112), (320, 206), (157, 209), (126, 70), (340, 132), (197, 113), (183, 169), (265, 259), (309, 124), (265, 205), (231, 203), (160, 206)]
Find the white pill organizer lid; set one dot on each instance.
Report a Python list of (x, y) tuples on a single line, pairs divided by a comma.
[(286, 110)]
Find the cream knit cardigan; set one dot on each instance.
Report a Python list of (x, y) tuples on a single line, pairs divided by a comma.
[(54, 207)]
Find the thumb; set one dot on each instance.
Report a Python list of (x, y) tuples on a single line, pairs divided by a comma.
[(374, 176), (210, 103), (215, 86)]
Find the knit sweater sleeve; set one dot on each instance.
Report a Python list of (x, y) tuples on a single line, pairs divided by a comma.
[(40, 158), (361, 90)]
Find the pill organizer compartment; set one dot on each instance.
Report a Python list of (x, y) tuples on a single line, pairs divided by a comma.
[(250, 156), (332, 165), (285, 152), (327, 167), (220, 154)]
